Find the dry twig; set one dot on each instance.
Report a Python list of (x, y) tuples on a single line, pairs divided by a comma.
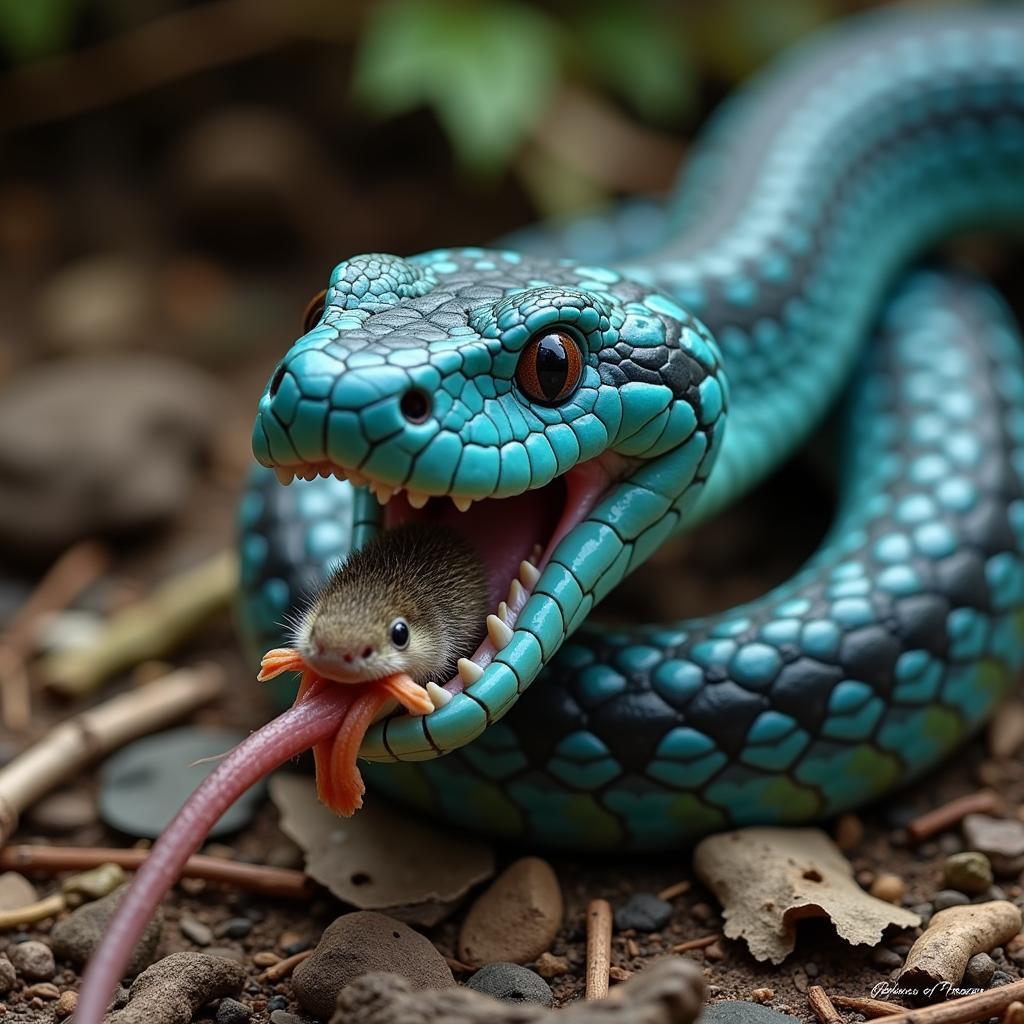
[(268, 881), (927, 825), (822, 1006), (63, 751), (599, 948), (867, 1007), (702, 943), (670, 892), (147, 629), (285, 967)]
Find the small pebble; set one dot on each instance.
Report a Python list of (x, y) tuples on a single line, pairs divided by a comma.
[(849, 832), (195, 931), (643, 912), (885, 958), (231, 1011), (284, 1017), (762, 995), (265, 958), (16, 891), (42, 990), (64, 812), (980, 969), (511, 983), (946, 898), (969, 872), (550, 966), (8, 975), (66, 1003), (1000, 978), (888, 887), (277, 1003), (234, 928), (33, 960), (714, 951), (1000, 839)]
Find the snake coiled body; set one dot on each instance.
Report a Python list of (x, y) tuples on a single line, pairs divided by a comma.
[(709, 355)]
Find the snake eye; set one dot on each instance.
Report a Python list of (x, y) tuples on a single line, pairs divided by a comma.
[(400, 634), (550, 366), (314, 311)]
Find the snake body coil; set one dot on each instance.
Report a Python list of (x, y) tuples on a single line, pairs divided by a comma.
[(597, 409)]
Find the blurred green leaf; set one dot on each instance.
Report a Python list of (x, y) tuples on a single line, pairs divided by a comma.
[(35, 28), (640, 55), (486, 69)]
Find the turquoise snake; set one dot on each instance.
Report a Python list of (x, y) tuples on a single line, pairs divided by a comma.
[(567, 415), (595, 410)]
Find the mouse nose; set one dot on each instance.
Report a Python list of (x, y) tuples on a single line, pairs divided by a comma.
[(361, 654)]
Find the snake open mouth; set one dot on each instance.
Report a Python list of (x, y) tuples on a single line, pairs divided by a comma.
[(515, 536)]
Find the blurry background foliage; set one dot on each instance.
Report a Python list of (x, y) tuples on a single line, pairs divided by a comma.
[(578, 100)]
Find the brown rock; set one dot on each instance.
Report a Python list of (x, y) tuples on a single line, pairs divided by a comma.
[(363, 943), (175, 987), (1000, 839), (890, 888), (550, 966), (516, 918), (66, 1003), (76, 936), (33, 960), (16, 891), (670, 991)]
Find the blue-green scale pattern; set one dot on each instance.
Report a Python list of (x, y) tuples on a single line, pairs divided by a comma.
[(715, 335)]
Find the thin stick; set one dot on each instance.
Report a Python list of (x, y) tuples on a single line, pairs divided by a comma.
[(938, 820), (32, 912), (285, 967), (69, 575), (867, 1007), (599, 948), (147, 629), (670, 892), (702, 943), (68, 747), (822, 1006), (269, 881), (962, 1011)]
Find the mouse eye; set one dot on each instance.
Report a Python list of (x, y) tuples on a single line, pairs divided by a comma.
[(400, 634), (314, 311), (550, 366)]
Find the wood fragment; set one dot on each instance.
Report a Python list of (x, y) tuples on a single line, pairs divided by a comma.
[(146, 629), (867, 1007), (599, 948), (702, 943), (61, 754), (822, 1006), (73, 571), (285, 967), (985, 801), (283, 883), (672, 891), (965, 1010), (1014, 1014), (457, 966)]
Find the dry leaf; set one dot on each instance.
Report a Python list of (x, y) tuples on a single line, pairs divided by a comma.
[(769, 878), (383, 858)]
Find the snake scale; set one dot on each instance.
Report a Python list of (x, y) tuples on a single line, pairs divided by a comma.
[(608, 383)]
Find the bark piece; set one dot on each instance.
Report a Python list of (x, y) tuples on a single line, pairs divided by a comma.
[(767, 879), (670, 991), (937, 961)]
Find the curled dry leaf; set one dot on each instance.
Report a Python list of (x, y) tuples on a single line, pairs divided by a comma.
[(767, 879), (381, 859)]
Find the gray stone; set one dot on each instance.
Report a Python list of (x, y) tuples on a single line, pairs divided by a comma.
[(99, 446), (1000, 978), (643, 912), (361, 943), (33, 960), (1000, 839), (511, 983), (284, 1017), (736, 1011), (76, 936), (231, 1011), (234, 928), (8, 975), (886, 959), (195, 931), (174, 988), (946, 898), (980, 969), (16, 891), (144, 785), (970, 872)]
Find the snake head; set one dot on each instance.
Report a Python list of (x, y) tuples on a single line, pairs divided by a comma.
[(562, 417)]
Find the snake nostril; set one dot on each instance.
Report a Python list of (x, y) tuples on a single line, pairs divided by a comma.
[(415, 405), (275, 381)]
